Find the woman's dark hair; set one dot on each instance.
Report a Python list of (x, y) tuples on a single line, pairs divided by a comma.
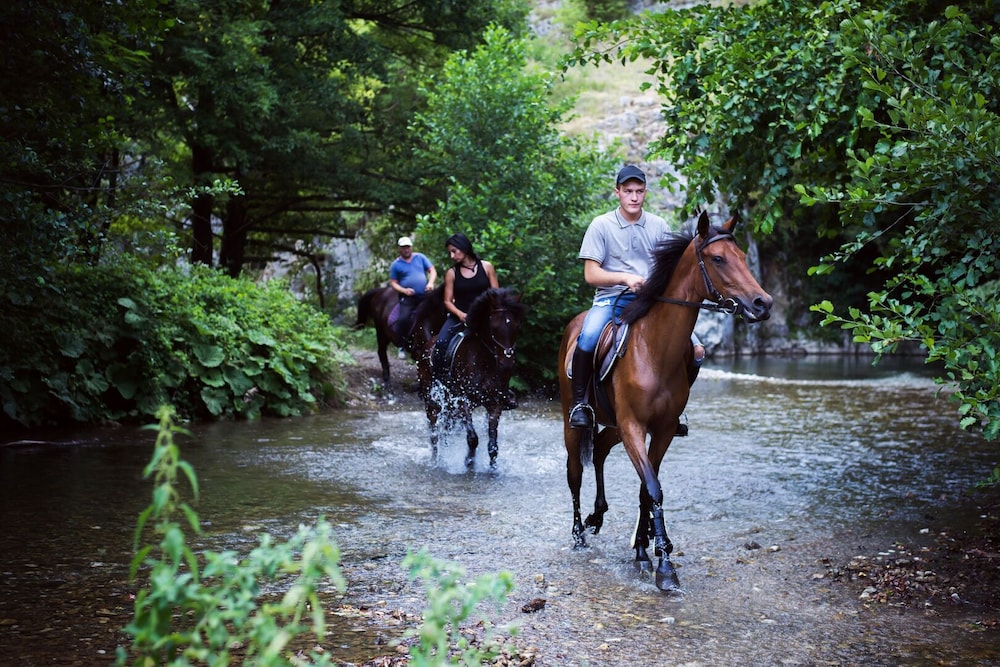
[(462, 242)]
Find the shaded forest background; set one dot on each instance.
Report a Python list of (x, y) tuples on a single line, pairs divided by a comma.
[(162, 158)]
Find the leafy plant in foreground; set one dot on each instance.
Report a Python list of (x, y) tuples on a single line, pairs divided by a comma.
[(449, 603), (192, 613)]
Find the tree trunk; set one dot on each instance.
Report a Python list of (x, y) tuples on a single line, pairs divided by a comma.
[(234, 236), (201, 208)]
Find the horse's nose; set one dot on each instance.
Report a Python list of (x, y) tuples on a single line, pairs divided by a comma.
[(762, 306)]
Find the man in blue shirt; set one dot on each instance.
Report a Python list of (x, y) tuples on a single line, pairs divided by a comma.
[(412, 275)]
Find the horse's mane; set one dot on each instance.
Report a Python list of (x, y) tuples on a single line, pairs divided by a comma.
[(478, 316), (666, 255)]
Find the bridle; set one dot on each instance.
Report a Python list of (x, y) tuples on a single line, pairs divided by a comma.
[(496, 348), (721, 304)]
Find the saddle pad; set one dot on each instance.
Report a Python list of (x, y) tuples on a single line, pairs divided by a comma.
[(610, 348)]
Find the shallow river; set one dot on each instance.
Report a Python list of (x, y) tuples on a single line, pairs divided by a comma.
[(807, 460)]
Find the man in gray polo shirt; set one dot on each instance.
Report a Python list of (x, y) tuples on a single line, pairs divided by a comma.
[(617, 254)]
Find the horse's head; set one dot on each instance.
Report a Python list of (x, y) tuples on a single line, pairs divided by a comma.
[(728, 281), (495, 318)]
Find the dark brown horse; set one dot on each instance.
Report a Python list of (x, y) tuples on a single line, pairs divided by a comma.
[(378, 305), (480, 369), (647, 390)]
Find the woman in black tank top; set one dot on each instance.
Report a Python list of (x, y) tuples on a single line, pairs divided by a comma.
[(468, 277)]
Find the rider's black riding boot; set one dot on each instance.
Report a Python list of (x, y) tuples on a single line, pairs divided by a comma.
[(581, 414)]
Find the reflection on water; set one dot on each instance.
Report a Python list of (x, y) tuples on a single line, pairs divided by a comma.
[(782, 452)]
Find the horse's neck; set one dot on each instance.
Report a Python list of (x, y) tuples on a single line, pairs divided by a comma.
[(668, 321), (687, 282)]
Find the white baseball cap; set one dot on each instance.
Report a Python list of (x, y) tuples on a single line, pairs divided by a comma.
[(404, 241)]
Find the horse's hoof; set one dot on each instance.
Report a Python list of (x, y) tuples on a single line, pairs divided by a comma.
[(579, 541), (666, 578), (595, 523), (669, 586)]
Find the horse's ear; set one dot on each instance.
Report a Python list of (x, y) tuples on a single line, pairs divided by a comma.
[(704, 224), (730, 224)]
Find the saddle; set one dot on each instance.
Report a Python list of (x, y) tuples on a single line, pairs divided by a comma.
[(453, 345), (611, 346), (449, 355)]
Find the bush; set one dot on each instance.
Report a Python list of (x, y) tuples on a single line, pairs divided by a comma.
[(449, 603), (116, 340)]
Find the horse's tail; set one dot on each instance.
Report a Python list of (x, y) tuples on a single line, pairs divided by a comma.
[(365, 307)]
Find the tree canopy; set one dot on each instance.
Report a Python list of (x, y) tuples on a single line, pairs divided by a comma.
[(131, 131)]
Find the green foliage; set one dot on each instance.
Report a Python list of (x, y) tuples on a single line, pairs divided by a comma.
[(993, 480), (195, 609), (114, 341), (450, 602), (751, 94), (939, 222), (307, 105), (517, 188)]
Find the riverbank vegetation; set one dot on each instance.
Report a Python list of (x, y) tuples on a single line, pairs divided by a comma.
[(144, 141)]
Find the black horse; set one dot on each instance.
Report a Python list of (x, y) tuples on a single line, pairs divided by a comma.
[(480, 368), (381, 306)]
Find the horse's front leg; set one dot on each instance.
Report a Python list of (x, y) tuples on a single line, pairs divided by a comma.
[(471, 437), (666, 575), (433, 409), (494, 429), (383, 359), (647, 464)]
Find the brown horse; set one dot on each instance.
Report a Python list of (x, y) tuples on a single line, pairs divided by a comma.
[(648, 388), (380, 305), (480, 368)]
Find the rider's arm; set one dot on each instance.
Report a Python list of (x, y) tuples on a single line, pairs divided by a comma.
[(491, 273), (432, 276), (449, 295), (597, 276)]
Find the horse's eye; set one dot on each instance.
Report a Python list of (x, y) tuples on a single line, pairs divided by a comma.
[(718, 259)]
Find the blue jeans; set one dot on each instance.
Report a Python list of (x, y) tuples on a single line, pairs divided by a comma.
[(598, 316)]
